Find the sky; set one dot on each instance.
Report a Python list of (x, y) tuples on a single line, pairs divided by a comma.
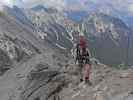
[(79, 5)]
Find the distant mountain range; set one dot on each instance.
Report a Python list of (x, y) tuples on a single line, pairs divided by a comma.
[(108, 37), (106, 9), (76, 15), (110, 40)]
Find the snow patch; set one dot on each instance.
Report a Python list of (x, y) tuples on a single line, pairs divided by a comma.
[(27, 51), (60, 46), (115, 35), (57, 35), (43, 35), (70, 34)]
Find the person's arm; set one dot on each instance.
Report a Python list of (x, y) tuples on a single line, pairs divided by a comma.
[(88, 53), (88, 56)]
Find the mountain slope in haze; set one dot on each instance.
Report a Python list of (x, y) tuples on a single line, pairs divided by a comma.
[(76, 15), (108, 38), (106, 8), (47, 24), (110, 10), (104, 32), (51, 25), (18, 14)]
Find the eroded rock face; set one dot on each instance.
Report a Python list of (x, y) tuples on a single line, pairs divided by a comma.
[(13, 49), (43, 85), (46, 84), (16, 41)]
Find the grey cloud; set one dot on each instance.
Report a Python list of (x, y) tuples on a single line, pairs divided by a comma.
[(71, 4), (59, 4)]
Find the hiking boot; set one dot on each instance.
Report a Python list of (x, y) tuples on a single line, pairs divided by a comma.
[(81, 80), (88, 82)]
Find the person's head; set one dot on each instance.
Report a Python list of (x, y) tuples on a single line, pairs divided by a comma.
[(82, 40)]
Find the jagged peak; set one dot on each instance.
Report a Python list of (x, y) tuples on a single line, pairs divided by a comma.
[(47, 9)]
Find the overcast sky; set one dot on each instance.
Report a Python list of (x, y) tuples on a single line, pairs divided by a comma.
[(71, 4)]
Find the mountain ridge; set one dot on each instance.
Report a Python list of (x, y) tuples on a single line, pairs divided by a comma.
[(97, 27)]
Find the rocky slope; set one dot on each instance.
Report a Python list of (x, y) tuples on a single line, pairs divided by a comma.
[(16, 41), (14, 82), (52, 25), (107, 84)]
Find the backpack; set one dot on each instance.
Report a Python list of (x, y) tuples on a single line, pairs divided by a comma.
[(82, 45)]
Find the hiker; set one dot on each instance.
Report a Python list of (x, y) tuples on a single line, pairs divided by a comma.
[(83, 58)]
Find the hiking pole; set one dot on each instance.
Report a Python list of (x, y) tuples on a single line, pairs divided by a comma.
[(128, 44)]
